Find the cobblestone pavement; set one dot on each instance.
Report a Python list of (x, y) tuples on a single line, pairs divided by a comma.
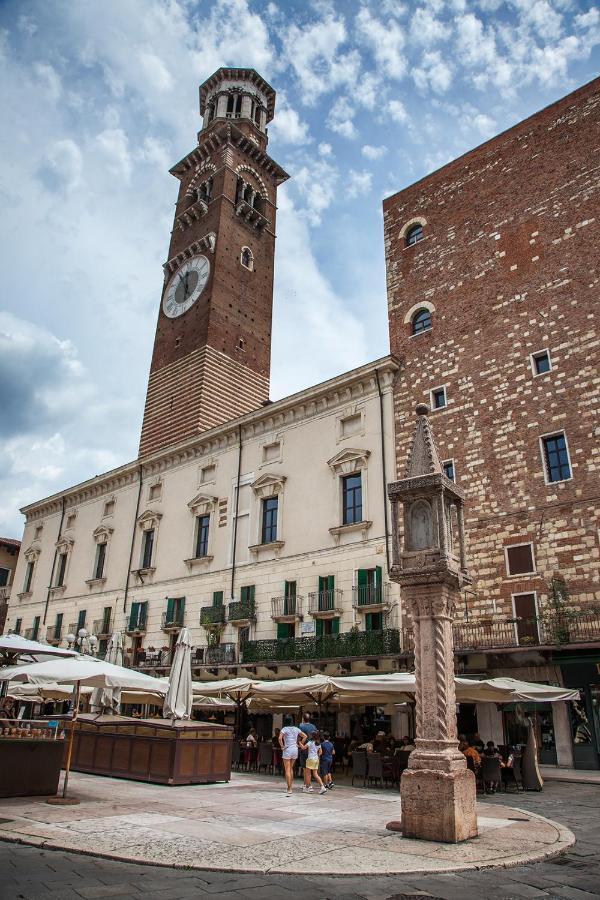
[(28, 873)]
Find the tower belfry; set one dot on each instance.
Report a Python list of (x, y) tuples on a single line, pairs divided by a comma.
[(212, 350)]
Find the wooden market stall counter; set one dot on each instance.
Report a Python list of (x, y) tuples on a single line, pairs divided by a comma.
[(160, 751), (29, 763)]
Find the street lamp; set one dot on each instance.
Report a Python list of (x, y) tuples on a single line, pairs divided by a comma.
[(83, 642)]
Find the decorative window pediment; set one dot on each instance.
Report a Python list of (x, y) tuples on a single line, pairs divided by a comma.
[(102, 534), (64, 544), (202, 504), (268, 485), (32, 554), (149, 519), (347, 461)]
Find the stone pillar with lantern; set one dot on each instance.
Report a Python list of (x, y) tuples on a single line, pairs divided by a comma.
[(429, 562)]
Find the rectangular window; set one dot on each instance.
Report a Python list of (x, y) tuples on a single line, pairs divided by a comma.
[(100, 559), (81, 619), (327, 626), (269, 519), (285, 630), (217, 598), (28, 577), (374, 621), (106, 619), (4, 573), (18, 626), (541, 362), (58, 626), (147, 548), (247, 594), (448, 468), (438, 398), (175, 611), (155, 491), (519, 559), (352, 499), (369, 583), (326, 592), (556, 457), (62, 567), (289, 598), (202, 526), (109, 508), (137, 616), (36, 628)]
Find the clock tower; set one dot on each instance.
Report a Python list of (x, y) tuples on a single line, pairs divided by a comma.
[(212, 349)]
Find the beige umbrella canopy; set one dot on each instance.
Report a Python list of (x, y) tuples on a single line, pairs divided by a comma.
[(178, 700), (13, 646)]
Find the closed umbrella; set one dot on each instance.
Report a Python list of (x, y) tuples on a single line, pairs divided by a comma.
[(109, 698), (178, 701)]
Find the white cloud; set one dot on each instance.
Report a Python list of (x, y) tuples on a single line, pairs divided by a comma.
[(314, 186), (358, 184), (155, 71), (49, 80), (433, 73), (373, 152), (114, 146), (61, 167), (325, 149), (397, 111), (315, 55), (426, 29), (340, 118), (287, 126), (385, 41)]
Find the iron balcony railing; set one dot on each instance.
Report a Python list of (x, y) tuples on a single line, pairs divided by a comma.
[(487, 634), (153, 659), (101, 627), (370, 595), (223, 654), (172, 620), (31, 634), (212, 615), (241, 610), (327, 646), (4, 592), (286, 606), (53, 633), (75, 627), (325, 601)]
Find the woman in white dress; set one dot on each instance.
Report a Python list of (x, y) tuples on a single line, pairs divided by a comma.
[(290, 738)]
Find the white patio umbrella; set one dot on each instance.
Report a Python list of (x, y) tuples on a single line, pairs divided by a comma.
[(110, 698), (178, 701), (13, 646)]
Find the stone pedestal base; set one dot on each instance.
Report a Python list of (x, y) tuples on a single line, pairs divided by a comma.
[(438, 806)]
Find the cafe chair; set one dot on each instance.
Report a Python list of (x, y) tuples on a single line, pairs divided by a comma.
[(359, 765), (375, 767), (512, 775), (265, 756), (491, 771), (236, 755)]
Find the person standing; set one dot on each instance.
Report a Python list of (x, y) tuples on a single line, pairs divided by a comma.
[(308, 728), (313, 750), (290, 738), (327, 754)]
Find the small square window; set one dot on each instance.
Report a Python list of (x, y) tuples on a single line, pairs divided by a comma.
[(71, 520), (271, 452), (207, 474), (519, 559), (541, 362), (155, 491), (448, 467), (438, 398), (109, 508), (556, 457), (38, 532)]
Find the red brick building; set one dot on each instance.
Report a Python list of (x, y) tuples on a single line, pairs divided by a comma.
[(493, 279)]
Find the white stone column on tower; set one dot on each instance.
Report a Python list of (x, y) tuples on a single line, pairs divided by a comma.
[(437, 790), (221, 106)]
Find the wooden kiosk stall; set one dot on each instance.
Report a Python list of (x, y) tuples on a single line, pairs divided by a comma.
[(30, 759), (160, 751)]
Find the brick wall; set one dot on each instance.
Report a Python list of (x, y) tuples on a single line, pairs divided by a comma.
[(509, 261)]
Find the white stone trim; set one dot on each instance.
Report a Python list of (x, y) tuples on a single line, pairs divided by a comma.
[(508, 547), (514, 611), (424, 304), (543, 455), (534, 356), (417, 220)]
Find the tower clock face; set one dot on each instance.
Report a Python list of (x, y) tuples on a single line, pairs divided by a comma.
[(185, 286)]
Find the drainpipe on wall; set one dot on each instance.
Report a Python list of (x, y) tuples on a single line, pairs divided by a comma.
[(384, 475), (137, 512), (62, 518), (237, 506)]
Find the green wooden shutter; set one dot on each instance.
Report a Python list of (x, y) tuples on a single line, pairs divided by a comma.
[(284, 631), (251, 593), (319, 631), (322, 583), (363, 586), (369, 622), (170, 609), (81, 619), (217, 598), (335, 626), (330, 582), (290, 589), (379, 583), (133, 615), (180, 608)]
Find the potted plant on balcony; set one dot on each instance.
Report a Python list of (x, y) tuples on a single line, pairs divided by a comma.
[(557, 616)]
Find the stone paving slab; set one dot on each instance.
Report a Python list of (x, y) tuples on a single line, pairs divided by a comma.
[(250, 825)]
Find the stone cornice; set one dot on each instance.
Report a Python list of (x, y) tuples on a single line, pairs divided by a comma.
[(311, 403), (229, 134)]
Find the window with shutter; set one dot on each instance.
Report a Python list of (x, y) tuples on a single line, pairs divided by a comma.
[(519, 559)]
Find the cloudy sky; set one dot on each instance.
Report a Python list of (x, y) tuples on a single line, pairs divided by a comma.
[(98, 100)]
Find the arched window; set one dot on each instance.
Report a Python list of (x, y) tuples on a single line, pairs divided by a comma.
[(421, 321), (246, 258), (230, 102), (414, 235)]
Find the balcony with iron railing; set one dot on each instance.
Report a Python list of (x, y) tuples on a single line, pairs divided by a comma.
[(54, 634), (572, 627), (212, 615), (371, 597), (5, 593), (221, 655), (75, 627), (325, 604), (153, 659), (240, 612), (172, 621), (328, 646), (101, 627), (287, 609), (31, 634)]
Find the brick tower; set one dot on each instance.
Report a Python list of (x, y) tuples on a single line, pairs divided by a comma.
[(212, 349)]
